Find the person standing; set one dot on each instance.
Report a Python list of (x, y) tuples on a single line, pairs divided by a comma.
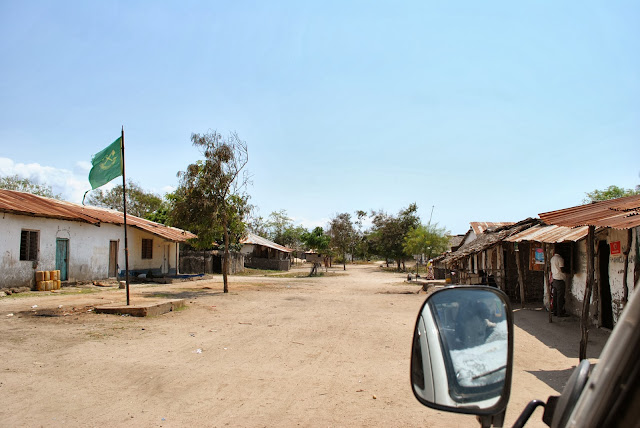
[(558, 284)]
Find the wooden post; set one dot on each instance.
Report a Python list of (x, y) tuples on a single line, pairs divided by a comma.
[(595, 292), (546, 277), (625, 287), (569, 274), (520, 278), (584, 319)]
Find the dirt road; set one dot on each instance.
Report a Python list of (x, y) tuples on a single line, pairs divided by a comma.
[(329, 351)]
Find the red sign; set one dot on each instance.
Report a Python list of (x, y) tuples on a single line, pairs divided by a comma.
[(615, 247)]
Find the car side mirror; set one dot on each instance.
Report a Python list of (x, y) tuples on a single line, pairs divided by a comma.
[(462, 353)]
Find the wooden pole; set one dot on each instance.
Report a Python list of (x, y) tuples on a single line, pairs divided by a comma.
[(124, 205), (595, 292), (569, 274), (546, 277), (627, 250), (584, 319), (225, 254), (520, 278)]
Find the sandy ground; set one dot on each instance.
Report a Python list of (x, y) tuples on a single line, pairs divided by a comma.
[(320, 352)]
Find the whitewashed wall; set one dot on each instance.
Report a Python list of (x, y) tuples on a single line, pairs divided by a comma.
[(616, 271), (137, 263), (88, 249), (579, 280), (247, 249)]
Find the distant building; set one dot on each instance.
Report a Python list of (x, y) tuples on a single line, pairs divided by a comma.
[(260, 253)]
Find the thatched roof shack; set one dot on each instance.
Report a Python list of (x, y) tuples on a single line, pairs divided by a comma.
[(489, 238), (490, 260)]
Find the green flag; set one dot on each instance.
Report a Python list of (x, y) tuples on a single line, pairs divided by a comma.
[(107, 165)]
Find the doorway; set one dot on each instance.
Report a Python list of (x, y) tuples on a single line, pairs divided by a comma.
[(113, 259), (605, 288), (166, 263), (62, 258)]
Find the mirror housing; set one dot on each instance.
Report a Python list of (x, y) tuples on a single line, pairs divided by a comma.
[(462, 353)]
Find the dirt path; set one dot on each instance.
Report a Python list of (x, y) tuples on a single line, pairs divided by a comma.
[(330, 351)]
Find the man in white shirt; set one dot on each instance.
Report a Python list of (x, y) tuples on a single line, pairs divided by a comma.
[(558, 284)]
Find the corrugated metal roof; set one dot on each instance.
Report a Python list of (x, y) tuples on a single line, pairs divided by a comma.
[(621, 213), (37, 206), (480, 227), (550, 234), (489, 239), (254, 239)]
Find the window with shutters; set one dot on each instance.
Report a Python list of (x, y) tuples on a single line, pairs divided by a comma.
[(147, 248), (29, 244)]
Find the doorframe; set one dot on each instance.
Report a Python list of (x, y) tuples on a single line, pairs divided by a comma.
[(115, 258), (166, 259), (66, 262)]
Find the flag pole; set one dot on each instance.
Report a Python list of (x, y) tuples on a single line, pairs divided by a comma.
[(124, 204)]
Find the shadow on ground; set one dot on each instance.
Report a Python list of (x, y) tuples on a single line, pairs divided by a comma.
[(562, 334), (181, 294), (556, 379)]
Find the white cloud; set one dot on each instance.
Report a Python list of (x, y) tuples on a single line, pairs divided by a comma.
[(82, 167), (70, 184)]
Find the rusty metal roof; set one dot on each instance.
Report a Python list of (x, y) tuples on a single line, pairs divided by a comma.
[(621, 213), (489, 239), (550, 234), (480, 227), (254, 239), (37, 206)]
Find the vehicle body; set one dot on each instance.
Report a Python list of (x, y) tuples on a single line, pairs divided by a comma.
[(605, 395)]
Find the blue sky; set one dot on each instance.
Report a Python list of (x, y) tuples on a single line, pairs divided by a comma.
[(489, 111)]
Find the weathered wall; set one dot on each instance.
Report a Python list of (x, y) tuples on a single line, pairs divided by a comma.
[(616, 274), (271, 264), (247, 249), (88, 249), (575, 296), (209, 262), (164, 254)]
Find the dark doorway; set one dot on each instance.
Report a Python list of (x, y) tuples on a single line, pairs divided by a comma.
[(605, 288)]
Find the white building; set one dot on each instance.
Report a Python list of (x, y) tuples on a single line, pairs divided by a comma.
[(83, 242)]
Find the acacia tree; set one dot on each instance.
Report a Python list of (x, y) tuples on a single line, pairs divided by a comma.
[(611, 192), (342, 235), (360, 243), (14, 182), (256, 224), (428, 239), (316, 240), (140, 203), (278, 228), (388, 233), (209, 198)]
